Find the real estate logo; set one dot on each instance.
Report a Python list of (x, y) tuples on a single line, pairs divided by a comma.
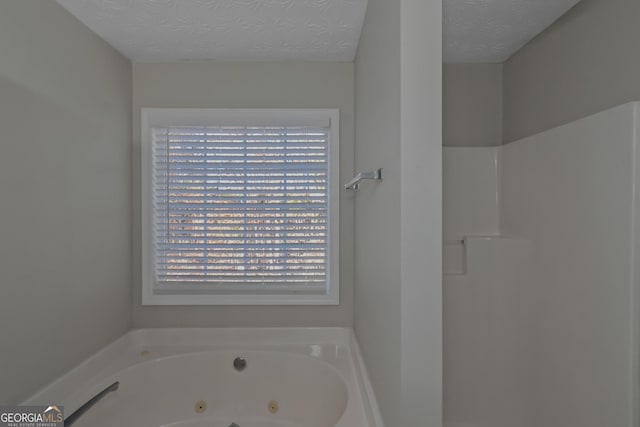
[(31, 416)]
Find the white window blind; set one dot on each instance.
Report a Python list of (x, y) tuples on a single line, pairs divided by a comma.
[(240, 207)]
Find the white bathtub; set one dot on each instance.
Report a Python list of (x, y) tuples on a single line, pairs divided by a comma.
[(293, 378)]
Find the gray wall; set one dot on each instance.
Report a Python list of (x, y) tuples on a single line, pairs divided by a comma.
[(249, 85), (377, 254), (398, 301), (586, 62), (65, 116), (472, 105)]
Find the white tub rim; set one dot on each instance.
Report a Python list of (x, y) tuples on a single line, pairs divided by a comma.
[(73, 383)]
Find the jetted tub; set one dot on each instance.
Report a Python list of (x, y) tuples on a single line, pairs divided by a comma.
[(284, 377)]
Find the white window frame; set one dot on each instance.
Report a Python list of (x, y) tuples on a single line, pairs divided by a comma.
[(159, 117)]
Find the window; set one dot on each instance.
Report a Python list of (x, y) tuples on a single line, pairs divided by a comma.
[(239, 207)]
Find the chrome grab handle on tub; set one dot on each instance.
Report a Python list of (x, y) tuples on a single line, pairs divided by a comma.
[(89, 404)]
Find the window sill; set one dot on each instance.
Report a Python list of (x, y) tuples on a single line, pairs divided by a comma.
[(151, 299)]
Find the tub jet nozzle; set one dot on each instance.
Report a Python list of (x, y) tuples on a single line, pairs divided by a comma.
[(239, 363)]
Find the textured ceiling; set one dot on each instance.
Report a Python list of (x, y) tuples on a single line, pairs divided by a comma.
[(493, 30), (301, 30), (226, 30)]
